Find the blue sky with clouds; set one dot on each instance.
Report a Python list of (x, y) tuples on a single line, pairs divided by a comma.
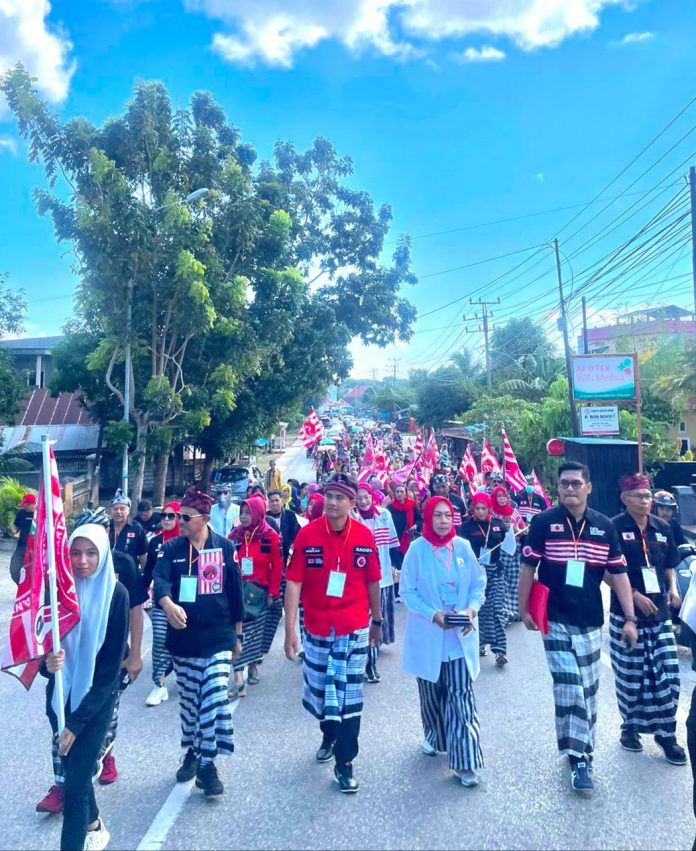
[(456, 112)]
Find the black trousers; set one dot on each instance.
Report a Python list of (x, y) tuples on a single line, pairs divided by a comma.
[(344, 738), (80, 807), (691, 745)]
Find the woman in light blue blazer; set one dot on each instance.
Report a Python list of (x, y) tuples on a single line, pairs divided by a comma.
[(440, 578)]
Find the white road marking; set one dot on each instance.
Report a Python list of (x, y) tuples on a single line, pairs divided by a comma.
[(169, 812)]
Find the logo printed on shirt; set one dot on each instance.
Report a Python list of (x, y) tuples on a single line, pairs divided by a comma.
[(315, 561), (313, 550), (527, 551), (629, 536), (367, 550), (660, 538), (130, 534), (595, 531), (556, 527), (360, 561)]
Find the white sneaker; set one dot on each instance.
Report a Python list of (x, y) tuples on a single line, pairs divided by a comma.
[(428, 749), (158, 695), (97, 840), (467, 778)]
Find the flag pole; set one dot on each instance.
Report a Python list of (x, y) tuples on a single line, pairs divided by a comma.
[(52, 582)]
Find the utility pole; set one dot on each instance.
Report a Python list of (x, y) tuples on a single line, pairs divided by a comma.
[(692, 192), (566, 343), (585, 342), (394, 364), (484, 305)]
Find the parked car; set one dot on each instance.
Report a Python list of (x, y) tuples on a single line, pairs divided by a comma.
[(237, 478)]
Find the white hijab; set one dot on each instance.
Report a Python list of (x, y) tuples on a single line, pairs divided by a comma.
[(85, 639)]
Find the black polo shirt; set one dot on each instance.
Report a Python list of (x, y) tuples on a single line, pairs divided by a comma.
[(490, 533), (662, 554), (211, 619), (132, 540), (529, 505), (550, 544)]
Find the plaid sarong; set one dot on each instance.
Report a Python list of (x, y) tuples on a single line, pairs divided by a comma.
[(646, 678), (333, 671), (511, 569), (573, 657)]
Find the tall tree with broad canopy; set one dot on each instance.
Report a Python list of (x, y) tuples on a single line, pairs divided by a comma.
[(240, 302)]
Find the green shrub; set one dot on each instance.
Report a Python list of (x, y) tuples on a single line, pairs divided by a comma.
[(11, 493)]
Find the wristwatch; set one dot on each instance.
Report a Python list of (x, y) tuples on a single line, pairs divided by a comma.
[(379, 622)]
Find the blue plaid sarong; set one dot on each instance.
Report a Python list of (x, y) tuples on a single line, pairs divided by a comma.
[(334, 667)]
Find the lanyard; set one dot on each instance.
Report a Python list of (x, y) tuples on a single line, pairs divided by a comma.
[(449, 546), (343, 548), (248, 539), (485, 543), (572, 534), (643, 540), (192, 560)]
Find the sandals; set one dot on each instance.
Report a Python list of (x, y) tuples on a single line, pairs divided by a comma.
[(235, 692), (253, 679)]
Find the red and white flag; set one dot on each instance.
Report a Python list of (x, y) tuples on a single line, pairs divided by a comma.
[(419, 445), (513, 474), (468, 470), (368, 458), (30, 622), (489, 463), (400, 476), (312, 429), (432, 453), (539, 489)]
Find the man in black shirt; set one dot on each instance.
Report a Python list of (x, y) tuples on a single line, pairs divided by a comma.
[(126, 535), (529, 503), (22, 523), (575, 548), (286, 521), (647, 677), (150, 520), (441, 486), (199, 586)]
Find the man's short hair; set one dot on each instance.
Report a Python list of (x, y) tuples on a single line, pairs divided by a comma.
[(274, 492), (577, 467), (144, 505)]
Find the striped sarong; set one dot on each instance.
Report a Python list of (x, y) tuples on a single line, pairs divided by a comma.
[(573, 657), (204, 708), (252, 645), (161, 658), (646, 678), (448, 713), (510, 565), (333, 672), (273, 616), (491, 617)]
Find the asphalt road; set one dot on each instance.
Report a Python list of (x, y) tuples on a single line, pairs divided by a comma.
[(278, 797)]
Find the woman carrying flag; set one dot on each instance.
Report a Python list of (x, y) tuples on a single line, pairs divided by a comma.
[(510, 517)]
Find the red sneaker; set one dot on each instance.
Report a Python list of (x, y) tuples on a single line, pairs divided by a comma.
[(53, 802), (109, 772)]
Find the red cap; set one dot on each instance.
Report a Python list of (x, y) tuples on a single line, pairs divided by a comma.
[(27, 499)]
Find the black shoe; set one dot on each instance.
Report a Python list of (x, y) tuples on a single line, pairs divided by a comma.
[(325, 752), (343, 775), (673, 752), (371, 674), (630, 740), (208, 779), (189, 766), (580, 779)]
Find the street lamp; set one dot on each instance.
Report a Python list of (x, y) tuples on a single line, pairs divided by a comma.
[(189, 199)]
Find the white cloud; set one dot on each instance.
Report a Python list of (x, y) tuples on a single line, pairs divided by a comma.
[(43, 49), (540, 176), (633, 38), (483, 54), (275, 31), (8, 144)]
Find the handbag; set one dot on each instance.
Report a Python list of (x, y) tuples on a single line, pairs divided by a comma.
[(537, 605), (254, 600)]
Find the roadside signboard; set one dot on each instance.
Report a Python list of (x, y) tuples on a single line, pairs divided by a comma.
[(604, 377), (599, 419)]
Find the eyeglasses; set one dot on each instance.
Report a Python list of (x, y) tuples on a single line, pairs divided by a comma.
[(169, 515), (187, 517), (642, 495), (568, 484)]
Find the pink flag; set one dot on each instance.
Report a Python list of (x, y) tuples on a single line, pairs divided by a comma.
[(400, 476), (489, 463), (312, 429), (539, 489), (368, 458), (30, 622), (513, 475), (419, 445)]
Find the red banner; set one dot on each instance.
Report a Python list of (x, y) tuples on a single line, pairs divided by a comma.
[(489, 463), (513, 474), (30, 624), (312, 429)]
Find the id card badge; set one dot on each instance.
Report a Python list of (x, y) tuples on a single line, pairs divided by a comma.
[(448, 593), (247, 566), (187, 589), (575, 573), (210, 572), (485, 556), (652, 586), (336, 584)]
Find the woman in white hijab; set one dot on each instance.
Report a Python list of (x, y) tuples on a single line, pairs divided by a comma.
[(90, 659)]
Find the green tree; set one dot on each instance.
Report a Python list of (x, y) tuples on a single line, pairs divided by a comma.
[(13, 386), (442, 395)]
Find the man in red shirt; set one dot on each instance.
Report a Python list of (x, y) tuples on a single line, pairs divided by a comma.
[(335, 570)]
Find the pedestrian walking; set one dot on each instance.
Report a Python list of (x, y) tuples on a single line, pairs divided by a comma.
[(335, 570), (407, 520), (162, 664), (379, 522), (125, 534), (147, 517), (90, 660), (224, 515), (442, 486), (575, 549), (509, 516), (485, 534), (273, 479), (289, 526), (22, 523), (529, 503), (440, 578), (199, 587), (260, 558), (647, 677)]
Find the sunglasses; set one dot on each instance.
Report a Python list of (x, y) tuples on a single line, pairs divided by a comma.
[(187, 517), (169, 515)]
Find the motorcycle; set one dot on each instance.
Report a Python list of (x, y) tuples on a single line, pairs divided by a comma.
[(685, 571)]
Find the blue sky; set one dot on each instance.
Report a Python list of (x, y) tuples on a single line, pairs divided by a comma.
[(455, 112)]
